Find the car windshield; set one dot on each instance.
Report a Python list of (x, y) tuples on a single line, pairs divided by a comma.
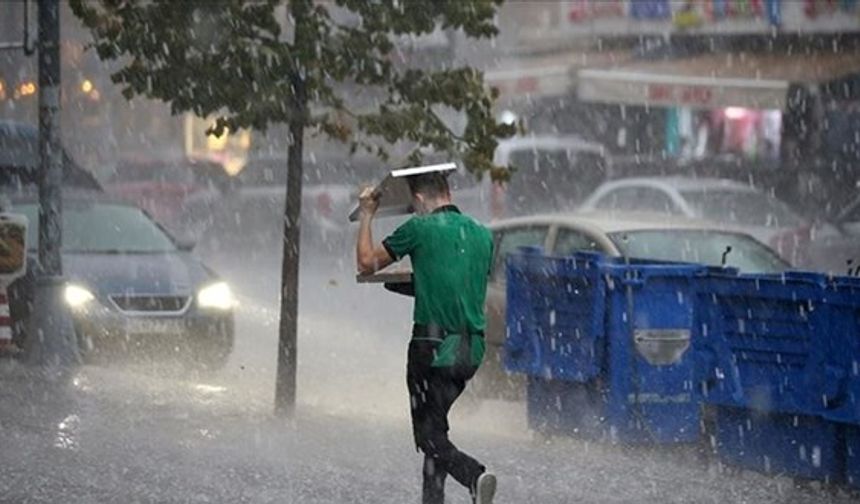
[(699, 246), (102, 228), (165, 174), (17, 148), (749, 208), (851, 214)]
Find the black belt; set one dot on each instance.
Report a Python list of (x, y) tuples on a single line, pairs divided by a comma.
[(433, 331)]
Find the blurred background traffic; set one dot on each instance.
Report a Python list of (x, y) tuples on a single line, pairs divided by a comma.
[(646, 124), (764, 93), (719, 132)]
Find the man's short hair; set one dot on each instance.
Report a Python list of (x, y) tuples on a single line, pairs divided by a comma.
[(431, 185)]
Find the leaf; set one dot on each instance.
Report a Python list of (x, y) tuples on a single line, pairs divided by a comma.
[(230, 59)]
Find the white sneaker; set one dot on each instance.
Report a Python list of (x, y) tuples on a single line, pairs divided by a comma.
[(485, 488)]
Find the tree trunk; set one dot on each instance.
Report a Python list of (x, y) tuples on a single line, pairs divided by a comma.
[(285, 388), (285, 385)]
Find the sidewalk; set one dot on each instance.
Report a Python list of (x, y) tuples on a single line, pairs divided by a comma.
[(143, 435), (132, 433)]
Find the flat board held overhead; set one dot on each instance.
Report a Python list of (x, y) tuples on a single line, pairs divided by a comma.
[(393, 191)]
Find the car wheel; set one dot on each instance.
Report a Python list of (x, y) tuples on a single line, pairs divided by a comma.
[(210, 346), (211, 359), (87, 349), (18, 334), (211, 354)]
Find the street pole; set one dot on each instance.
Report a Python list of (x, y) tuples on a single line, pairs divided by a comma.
[(50, 339), (50, 201)]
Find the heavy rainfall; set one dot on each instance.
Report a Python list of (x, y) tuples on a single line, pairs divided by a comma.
[(670, 308)]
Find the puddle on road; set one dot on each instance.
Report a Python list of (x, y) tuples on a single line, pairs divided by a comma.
[(67, 433)]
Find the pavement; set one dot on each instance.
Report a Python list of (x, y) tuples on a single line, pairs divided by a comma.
[(136, 432)]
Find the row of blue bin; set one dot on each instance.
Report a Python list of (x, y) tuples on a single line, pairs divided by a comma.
[(629, 351)]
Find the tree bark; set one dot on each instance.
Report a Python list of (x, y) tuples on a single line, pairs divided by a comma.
[(285, 385)]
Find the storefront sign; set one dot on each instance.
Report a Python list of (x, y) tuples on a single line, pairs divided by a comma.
[(579, 11), (610, 17), (641, 88), (552, 80), (815, 8), (650, 9), (682, 95), (699, 12)]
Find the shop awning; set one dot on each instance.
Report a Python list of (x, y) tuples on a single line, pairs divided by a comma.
[(758, 81)]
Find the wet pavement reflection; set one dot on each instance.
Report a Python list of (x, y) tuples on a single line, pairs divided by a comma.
[(138, 432)]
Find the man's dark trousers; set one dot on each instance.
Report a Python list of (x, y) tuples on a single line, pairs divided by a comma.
[(432, 392)]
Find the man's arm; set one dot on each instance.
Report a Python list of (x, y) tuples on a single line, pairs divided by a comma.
[(369, 258)]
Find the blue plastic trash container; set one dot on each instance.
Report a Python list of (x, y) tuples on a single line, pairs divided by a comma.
[(607, 346)]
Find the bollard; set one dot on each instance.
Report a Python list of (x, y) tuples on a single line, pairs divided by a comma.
[(5, 319)]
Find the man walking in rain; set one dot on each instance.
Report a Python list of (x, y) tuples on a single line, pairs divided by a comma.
[(451, 255)]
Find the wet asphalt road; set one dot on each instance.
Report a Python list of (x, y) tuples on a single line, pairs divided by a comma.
[(153, 433)]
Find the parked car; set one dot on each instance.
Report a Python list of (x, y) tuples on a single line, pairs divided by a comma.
[(553, 174), (163, 187), (723, 201), (622, 235), (252, 217), (131, 287), (20, 164), (836, 247)]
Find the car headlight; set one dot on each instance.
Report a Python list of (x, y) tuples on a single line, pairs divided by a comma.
[(217, 295), (77, 296)]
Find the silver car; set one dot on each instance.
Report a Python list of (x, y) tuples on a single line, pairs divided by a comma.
[(726, 202), (623, 235), (836, 248)]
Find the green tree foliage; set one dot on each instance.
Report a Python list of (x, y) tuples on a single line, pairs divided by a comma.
[(231, 59), (234, 60)]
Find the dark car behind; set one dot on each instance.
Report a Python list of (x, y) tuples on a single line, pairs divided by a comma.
[(165, 187), (20, 161), (130, 287), (251, 217)]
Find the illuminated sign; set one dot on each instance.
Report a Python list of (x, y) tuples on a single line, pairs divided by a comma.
[(681, 95), (643, 88)]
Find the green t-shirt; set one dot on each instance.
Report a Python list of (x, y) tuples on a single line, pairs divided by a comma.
[(451, 255)]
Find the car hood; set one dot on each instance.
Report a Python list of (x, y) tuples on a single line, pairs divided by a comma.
[(175, 273), (834, 254)]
